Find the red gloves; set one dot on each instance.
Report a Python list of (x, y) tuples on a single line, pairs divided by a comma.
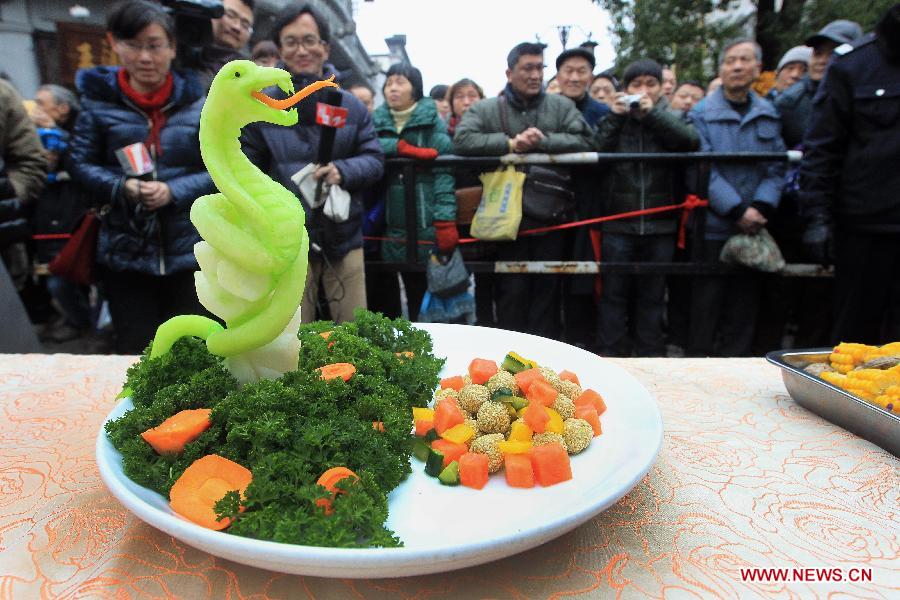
[(446, 236), (406, 149)]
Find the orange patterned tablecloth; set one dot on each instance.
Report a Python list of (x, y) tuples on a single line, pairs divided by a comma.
[(746, 478)]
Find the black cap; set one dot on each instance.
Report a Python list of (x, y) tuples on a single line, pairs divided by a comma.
[(841, 31), (411, 73), (643, 66), (579, 52)]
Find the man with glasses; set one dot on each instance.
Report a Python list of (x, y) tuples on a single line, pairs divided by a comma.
[(526, 119), (357, 163), (231, 32)]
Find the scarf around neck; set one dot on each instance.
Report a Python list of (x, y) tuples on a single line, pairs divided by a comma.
[(152, 104)]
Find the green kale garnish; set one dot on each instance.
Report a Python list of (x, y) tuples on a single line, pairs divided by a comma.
[(289, 431)]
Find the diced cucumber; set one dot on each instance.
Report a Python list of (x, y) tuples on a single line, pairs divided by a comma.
[(420, 449), (431, 435), (516, 364), (435, 462), (516, 402), (501, 394), (450, 474), (512, 364)]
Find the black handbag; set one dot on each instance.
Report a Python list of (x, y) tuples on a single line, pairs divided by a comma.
[(548, 195)]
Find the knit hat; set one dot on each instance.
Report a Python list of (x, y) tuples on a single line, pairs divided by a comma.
[(411, 73), (579, 52), (800, 54), (643, 66)]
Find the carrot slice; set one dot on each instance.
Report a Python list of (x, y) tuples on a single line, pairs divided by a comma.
[(204, 483), (589, 414), (473, 470), (329, 480), (543, 392), (378, 425), (525, 378), (592, 397), (326, 334), (536, 417), (176, 432), (423, 426), (446, 415), (405, 354), (451, 450), (482, 369), (289, 102), (343, 370), (566, 375), (455, 383), (519, 472), (550, 463)]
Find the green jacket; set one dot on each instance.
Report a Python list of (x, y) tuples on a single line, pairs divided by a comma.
[(630, 186), (435, 195), (480, 133)]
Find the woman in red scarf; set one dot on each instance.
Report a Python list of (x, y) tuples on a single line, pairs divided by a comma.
[(143, 107)]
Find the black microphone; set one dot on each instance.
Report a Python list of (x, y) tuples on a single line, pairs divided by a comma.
[(331, 117)]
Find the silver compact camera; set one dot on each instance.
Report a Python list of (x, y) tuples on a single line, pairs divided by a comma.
[(633, 100)]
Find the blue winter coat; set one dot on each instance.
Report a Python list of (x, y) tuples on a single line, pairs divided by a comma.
[(735, 186), (159, 245), (280, 152)]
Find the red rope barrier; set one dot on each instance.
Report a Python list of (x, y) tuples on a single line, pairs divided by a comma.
[(690, 203)]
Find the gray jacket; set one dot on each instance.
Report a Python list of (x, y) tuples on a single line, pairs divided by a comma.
[(735, 186)]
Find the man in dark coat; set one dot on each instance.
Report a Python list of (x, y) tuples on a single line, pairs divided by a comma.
[(525, 119), (850, 183), (336, 249), (645, 126)]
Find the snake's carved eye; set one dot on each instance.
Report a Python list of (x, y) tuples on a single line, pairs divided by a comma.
[(237, 73)]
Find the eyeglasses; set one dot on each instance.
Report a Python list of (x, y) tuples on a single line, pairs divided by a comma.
[(309, 42), (155, 49), (236, 18)]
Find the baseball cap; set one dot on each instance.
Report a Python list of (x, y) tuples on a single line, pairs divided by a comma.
[(841, 31)]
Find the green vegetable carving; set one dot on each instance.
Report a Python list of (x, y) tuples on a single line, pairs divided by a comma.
[(254, 255)]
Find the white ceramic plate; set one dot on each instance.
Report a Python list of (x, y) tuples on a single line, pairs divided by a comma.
[(492, 523)]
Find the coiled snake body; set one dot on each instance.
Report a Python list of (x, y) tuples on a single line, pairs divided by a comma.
[(254, 255)]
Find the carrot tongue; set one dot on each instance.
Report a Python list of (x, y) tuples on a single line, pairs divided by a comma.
[(291, 101)]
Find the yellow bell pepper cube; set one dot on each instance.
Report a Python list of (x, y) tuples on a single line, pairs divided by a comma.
[(555, 424), (423, 414), (459, 434), (520, 432), (514, 447), (521, 412)]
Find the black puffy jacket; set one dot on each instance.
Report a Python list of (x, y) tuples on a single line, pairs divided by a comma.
[(109, 121), (280, 152)]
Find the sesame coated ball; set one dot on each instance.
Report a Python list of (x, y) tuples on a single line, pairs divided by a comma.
[(440, 394), (551, 377), (570, 389), (493, 417), (487, 444), (471, 422), (502, 379), (472, 396), (564, 406), (577, 435), (547, 437)]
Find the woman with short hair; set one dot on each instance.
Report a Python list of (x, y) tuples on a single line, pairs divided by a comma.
[(146, 241)]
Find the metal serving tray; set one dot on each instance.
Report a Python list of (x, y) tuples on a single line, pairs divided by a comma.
[(834, 404)]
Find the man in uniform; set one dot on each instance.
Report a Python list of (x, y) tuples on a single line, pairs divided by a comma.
[(850, 183)]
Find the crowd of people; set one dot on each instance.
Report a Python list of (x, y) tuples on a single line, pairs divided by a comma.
[(836, 98)]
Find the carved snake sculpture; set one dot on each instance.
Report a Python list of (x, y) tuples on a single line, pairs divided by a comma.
[(254, 255)]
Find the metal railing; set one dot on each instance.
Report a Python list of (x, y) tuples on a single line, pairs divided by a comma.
[(702, 160)]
